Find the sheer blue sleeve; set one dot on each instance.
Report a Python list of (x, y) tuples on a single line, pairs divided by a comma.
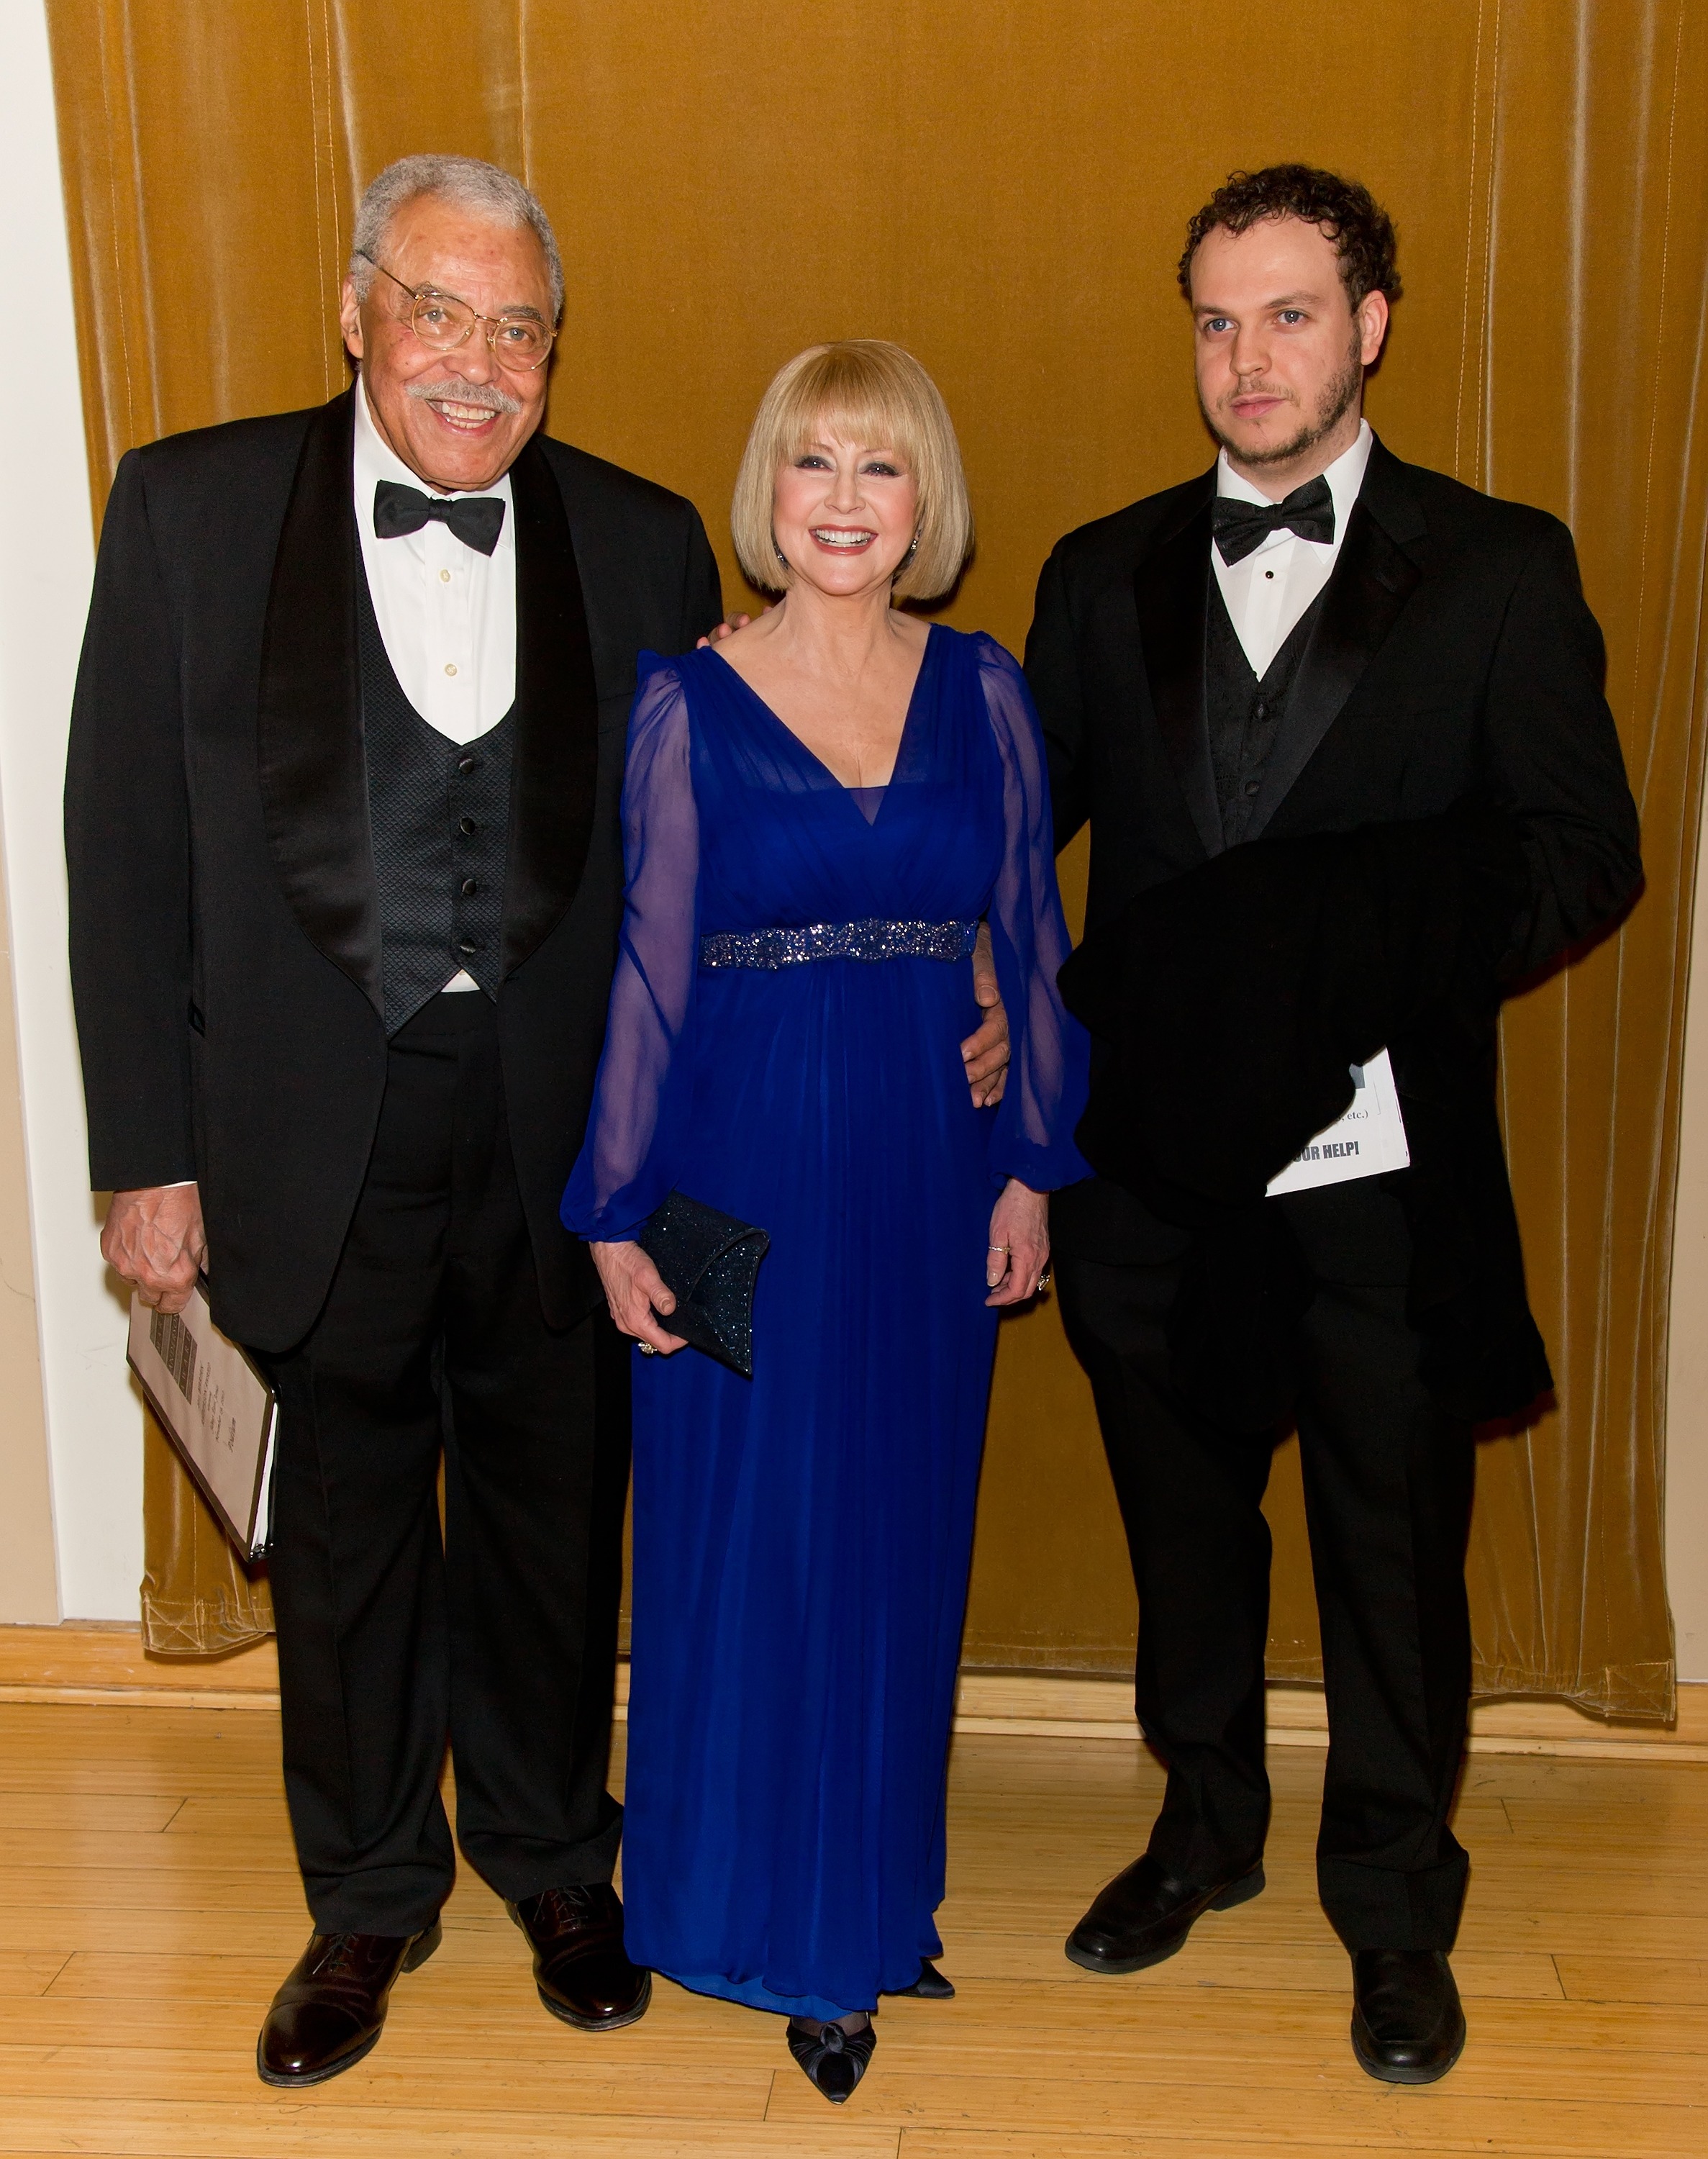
[(641, 1099), (1032, 1138)]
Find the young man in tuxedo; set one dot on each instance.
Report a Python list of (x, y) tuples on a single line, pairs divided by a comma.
[(1311, 639), (346, 879)]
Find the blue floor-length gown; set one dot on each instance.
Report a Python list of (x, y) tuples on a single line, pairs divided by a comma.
[(801, 1539)]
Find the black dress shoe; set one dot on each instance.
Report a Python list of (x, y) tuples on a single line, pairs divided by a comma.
[(1142, 1916), (930, 1986), (331, 2010), (580, 1965), (1407, 2026), (835, 2060)]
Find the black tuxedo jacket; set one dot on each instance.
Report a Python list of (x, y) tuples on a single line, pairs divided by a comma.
[(1454, 659), (225, 924)]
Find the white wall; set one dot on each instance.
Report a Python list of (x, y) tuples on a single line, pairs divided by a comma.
[(46, 556)]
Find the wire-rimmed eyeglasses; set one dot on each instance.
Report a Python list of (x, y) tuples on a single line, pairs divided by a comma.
[(519, 343)]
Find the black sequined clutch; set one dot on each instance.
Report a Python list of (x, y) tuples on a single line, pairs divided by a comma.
[(710, 1262)]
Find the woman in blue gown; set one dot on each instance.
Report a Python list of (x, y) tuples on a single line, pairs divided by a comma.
[(818, 813)]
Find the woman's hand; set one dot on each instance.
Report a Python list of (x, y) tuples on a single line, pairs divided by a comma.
[(636, 1291), (1017, 1266)]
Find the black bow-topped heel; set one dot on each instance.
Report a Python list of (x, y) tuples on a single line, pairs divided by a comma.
[(835, 2060)]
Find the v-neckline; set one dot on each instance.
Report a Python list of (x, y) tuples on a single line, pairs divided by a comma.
[(841, 786)]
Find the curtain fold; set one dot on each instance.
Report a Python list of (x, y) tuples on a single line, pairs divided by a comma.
[(199, 1599), (1546, 161)]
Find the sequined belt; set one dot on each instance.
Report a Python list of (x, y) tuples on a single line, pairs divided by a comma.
[(838, 940)]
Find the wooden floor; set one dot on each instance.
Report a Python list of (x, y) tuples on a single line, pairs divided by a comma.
[(148, 1907)]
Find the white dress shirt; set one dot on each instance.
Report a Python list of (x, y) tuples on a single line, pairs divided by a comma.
[(447, 613), (1269, 589)]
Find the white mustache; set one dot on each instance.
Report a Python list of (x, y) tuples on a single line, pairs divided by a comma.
[(455, 391)]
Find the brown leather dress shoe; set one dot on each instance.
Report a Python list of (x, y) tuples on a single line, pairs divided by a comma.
[(332, 2008), (580, 1966)]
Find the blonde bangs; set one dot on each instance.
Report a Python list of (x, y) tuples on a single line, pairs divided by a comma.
[(867, 390)]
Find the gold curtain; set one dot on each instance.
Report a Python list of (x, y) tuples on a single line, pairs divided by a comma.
[(1004, 190)]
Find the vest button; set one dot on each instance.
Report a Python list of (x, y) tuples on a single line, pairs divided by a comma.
[(1251, 787), (1260, 711), (466, 947), (467, 827), (469, 887), (466, 763)]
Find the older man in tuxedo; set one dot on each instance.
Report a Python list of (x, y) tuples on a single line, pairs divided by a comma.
[(346, 882), (1337, 724), (345, 886)]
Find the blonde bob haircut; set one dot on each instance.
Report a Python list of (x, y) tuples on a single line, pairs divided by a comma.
[(867, 390)]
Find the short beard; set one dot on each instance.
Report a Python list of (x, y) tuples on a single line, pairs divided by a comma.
[(454, 391), (1339, 395)]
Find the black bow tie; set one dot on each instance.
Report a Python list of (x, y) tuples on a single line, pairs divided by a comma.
[(1241, 526), (477, 519)]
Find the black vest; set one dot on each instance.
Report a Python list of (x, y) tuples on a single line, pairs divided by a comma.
[(439, 815), (1247, 718)]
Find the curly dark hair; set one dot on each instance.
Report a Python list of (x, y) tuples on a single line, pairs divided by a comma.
[(1349, 215)]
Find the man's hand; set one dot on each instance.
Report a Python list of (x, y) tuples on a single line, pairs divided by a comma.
[(154, 1238), (724, 629), (1018, 1264), (985, 1052), (636, 1291)]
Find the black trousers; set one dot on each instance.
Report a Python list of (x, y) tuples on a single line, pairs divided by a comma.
[(500, 1634), (1387, 1481)]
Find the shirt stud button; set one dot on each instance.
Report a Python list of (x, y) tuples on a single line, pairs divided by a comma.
[(444, 576), (450, 667)]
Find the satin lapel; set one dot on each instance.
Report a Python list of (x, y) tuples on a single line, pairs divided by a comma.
[(552, 788), (1372, 582), (1170, 588), (313, 781)]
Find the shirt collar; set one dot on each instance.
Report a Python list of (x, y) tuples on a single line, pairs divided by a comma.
[(376, 460), (1345, 477)]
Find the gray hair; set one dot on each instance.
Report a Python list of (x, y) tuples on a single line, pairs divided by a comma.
[(471, 184)]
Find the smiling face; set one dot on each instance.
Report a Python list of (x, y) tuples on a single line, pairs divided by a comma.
[(456, 419), (1281, 351), (845, 514)]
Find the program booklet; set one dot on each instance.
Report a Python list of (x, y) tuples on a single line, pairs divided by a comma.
[(213, 1405), (1369, 1138)]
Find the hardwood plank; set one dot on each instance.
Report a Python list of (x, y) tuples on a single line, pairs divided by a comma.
[(1066, 2144), (82, 1654), (86, 1847), (1683, 1981), (306, 2125), (1284, 1968), (27, 1972), (1341, 2114), (100, 1813), (588, 2079)]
